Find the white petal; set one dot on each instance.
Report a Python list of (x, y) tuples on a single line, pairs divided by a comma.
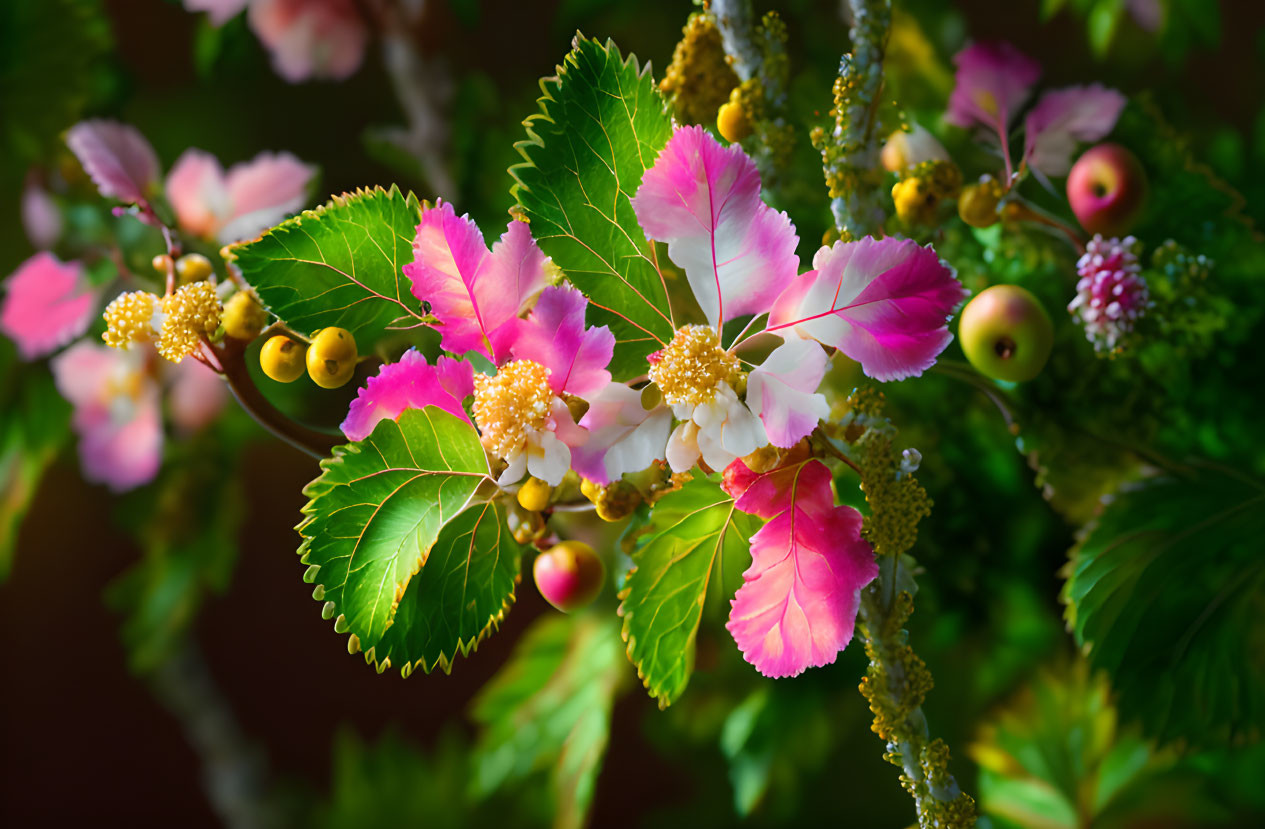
[(513, 472), (682, 448), (547, 457)]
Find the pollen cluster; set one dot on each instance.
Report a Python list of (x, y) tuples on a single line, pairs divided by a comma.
[(190, 314), (129, 319), (510, 404), (690, 368)]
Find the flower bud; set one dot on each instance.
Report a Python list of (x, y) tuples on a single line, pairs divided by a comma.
[(193, 267), (732, 121), (534, 495), (331, 359), (978, 203), (617, 501), (282, 359), (244, 318), (569, 575)]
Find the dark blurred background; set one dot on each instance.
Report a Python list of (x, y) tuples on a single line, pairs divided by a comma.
[(82, 739)]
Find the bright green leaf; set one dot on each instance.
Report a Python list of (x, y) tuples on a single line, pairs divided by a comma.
[(1165, 593), (458, 598), (377, 510), (550, 709), (1104, 19), (340, 264), (602, 123), (697, 534)]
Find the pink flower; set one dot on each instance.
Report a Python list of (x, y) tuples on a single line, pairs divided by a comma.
[(46, 305), (623, 436), (118, 413), (117, 158), (1063, 117), (883, 302), (195, 395), (782, 391), (703, 200), (41, 219), (798, 603), (992, 82), (554, 336), (1112, 294), (411, 383), (252, 197), (476, 294), (217, 11), (310, 38)]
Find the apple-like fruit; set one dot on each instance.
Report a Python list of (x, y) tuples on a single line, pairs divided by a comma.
[(569, 575), (1006, 333), (1107, 189)]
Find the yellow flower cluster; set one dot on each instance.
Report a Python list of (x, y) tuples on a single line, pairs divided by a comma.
[(921, 190), (510, 404), (691, 366), (130, 319), (190, 315), (699, 78)]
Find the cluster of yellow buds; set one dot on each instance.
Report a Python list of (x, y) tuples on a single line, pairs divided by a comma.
[(614, 501), (699, 78), (175, 323), (978, 203), (922, 188)]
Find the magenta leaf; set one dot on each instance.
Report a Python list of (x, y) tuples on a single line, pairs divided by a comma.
[(554, 336), (992, 82), (411, 383)]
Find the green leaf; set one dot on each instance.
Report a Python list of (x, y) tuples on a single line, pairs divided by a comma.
[(698, 533), (377, 510), (1166, 593), (1104, 19), (340, 264), (458, 598), (549, 708), (602, 123)]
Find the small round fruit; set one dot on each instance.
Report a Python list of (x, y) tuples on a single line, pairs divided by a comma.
[(569, 575), (1107, 189), (1006, 333), (193, 267), (244, 318), (161, 263), (282, 359), (331, 359), (534, 495), (732, 122)]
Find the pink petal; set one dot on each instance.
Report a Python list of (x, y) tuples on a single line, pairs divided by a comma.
[(196, 396), (782, 391), (474, 293), (1063, 117), (993, 80), (117, 157), (41, 219), (883, 302), (623, 436), (310, 38), (798, 603), (198, 193), (411, 383), (217, 11), (703, 200), (264, 191), (46, 305), (118, 413), (554, 336)]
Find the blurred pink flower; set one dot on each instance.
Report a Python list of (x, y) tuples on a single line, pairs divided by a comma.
[(41, 219), (117, 157), (195, 395), (992, 82), (46, 305), (310, 38), (118, 412), (1062, 118), (250, 198), (217, 11)]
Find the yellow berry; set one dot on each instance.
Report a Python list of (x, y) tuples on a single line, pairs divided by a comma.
[(617, 501), (161, 263), (978, 203), (590, 490), (331, 359), (244, 318), (732, 122), (534, 495), (282, 358), (193, 267)]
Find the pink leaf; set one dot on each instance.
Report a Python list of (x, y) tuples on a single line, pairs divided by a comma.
[(883, 302), (993, 80), (252, 197), (310, 38), (473, 293), (46, 305), (118, 413), (622, 435), (411, 383), (703, 200), (217, 11), (41, 219), (554, 336), (1063, 117), (782, 391), (117, 158), (198, 194), (798, 603)]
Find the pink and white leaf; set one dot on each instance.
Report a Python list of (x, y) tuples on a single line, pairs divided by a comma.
[(475, 294), (262, 192), (992, 82), (883, 302), (622, 435), (703, 200), (411, 383), (46, 305), (782, 391), (798, 603), (1064, 117), (119, 160), (554, 336)]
